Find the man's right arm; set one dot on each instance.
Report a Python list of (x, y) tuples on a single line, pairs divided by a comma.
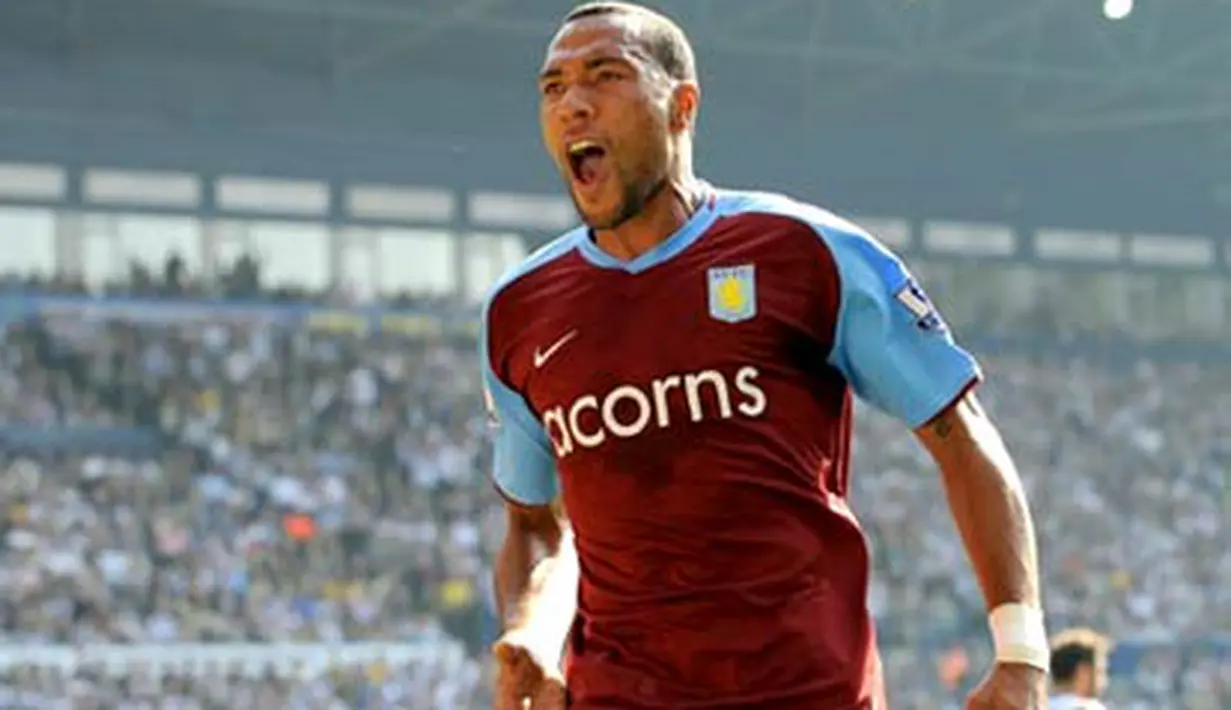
[(536, 592), (526, 528), (537, 595), (537, 545)]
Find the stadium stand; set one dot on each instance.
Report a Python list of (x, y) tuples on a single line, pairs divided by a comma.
[(266, 502)]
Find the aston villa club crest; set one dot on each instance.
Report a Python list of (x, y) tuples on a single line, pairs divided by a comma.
[(732, 293)]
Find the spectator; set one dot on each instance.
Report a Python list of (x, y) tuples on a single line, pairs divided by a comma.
[(224, 475)]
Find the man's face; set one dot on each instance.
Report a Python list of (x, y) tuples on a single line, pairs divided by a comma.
[(605, 114), (1091, 680), (1100, 677)]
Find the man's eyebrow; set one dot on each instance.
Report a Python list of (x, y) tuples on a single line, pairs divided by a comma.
[(594, 63), (602, 61)]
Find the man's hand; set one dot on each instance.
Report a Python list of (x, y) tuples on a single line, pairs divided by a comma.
[(524, 682), (1010, 686)]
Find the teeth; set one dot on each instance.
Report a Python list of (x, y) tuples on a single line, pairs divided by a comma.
[(582, 145)]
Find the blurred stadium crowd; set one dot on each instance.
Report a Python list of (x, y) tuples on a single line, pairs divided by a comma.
[(185, 471)]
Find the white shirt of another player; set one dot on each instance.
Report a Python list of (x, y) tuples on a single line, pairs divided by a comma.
[(1074, 702)]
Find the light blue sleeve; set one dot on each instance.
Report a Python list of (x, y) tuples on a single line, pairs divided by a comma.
[(523, 467), (890, 341)]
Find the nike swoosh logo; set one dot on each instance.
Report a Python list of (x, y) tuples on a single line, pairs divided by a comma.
[(542, 356)]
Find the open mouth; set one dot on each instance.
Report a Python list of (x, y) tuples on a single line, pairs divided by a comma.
[(586, 159)]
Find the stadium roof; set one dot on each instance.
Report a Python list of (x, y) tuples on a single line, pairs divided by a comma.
[(1030, 106), (1058, 65)]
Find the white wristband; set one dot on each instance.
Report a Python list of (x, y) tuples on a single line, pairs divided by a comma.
[(1020, 636)]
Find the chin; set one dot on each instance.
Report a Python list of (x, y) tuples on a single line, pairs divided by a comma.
[(600, 222), (600, 218)]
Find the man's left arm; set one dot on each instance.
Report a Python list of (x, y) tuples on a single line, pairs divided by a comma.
[(989, 505), (897, 353)]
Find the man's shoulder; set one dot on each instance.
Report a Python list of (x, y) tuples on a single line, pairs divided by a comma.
[(846, 242), (537, 262), (732, 203)]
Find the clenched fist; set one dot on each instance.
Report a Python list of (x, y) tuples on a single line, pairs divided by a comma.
[(524, 682), (1011, 686)]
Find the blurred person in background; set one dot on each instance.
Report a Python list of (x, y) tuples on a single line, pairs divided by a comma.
[(1079, 658)]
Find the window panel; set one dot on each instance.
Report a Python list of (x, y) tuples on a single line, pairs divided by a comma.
[(153, 240), (487, 257), (229, 244), (29, 241), (358, 271), (1205, 304), (291, 253), (416, 261), (101, 263)]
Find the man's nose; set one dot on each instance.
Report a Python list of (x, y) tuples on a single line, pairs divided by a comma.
[(577, 103)]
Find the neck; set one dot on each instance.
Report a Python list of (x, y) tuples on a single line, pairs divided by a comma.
[(1065, 689), (663, 215)]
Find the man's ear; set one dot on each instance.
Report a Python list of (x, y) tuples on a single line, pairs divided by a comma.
[(685, 99)]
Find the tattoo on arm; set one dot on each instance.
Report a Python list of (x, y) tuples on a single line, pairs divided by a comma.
[(942, 426)]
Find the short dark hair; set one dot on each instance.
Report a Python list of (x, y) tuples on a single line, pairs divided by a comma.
[(664, 39), (1074, 648)]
